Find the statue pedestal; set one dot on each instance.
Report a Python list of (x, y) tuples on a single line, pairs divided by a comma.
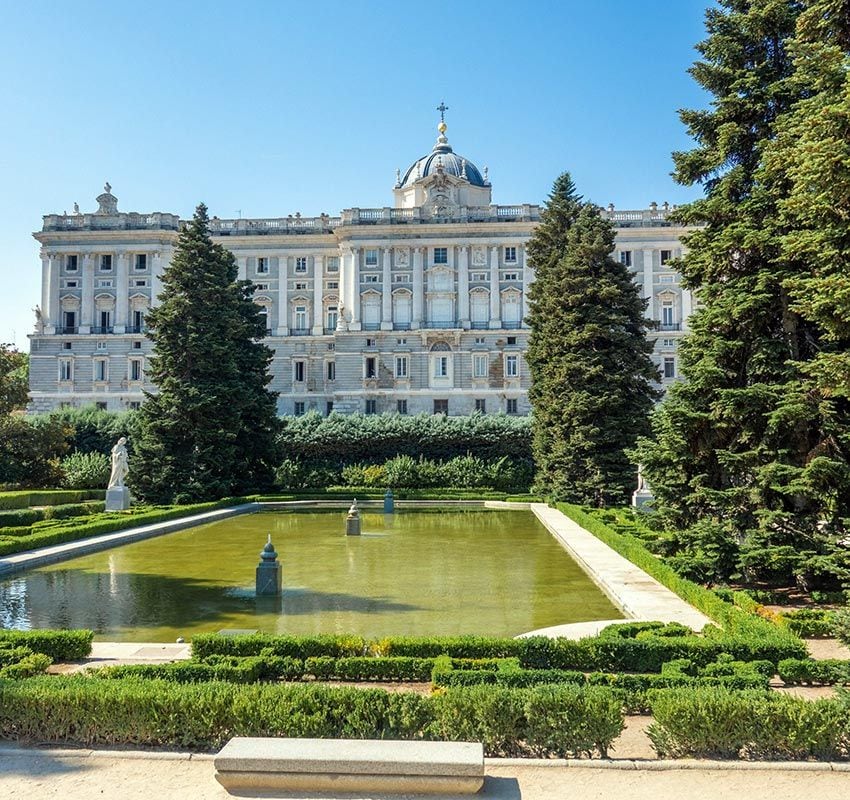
[(640, 498), (117, 498), (269, 579)]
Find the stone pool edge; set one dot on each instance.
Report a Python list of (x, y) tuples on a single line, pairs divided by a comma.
[(637, 594), (30, 559)]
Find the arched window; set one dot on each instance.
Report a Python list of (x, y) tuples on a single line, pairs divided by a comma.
[(511, 313), (479, 308), (370, 310), (441, 365)]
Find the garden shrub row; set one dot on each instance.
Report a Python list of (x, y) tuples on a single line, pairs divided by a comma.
[(810, 623), (107, 522), (715, 722), (47, 497), (606, 653), (69, 645), (739, 621), (21, 662), (823, 672), (29, 516), (546, 721)]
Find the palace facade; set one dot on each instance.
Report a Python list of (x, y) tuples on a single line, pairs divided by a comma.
[(409, 308)]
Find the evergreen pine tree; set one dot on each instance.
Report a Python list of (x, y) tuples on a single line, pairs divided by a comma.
[(591, 390), (732, 443), (209, 429)]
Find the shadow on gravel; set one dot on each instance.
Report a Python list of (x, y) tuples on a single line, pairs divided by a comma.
[(39, 765)]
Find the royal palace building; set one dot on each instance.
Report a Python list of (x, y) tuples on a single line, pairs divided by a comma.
[(415, 307)]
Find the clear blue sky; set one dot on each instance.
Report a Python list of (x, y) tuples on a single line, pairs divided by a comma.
[(276, 107)]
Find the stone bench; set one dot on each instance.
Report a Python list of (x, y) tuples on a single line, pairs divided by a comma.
[(263, 766)]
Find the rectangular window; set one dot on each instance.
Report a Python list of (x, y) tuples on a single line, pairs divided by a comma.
[(140, 283), (71, 263), (666, 255), (441, 255), (134, 405), (100, 345), (137, 345), (71, 284), (135, 369), (666, 278), (370, 367), (510, 255), (669, 367), (106, 263), (511, 405), (403, 340), (300, 318), (668, 342), (479, 340), (511, 276), (331, 370), (371, 342), (332, 318), (441, 406), (262, 287), (262, 265), (67, 345), (333, 284), (626, 258), (401, 366), (301, 264), (481, 406), (329, 407), (299, 371), (101, 370), (371, 258), (371, 279), (141, 261), (480, 366), (401, 406), (371, 406), (511, 339), (481, 277), (441, 367), (401, 277), (66, 369), (667, 314), (333, 264), (100, 405), (512, 366), (104, 283), (299, 408)]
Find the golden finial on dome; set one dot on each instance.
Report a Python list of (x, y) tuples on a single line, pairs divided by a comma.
[(442, 127)]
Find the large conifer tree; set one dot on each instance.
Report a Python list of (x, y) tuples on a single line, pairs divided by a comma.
[(210, 428), (591, 374), (734, 443)]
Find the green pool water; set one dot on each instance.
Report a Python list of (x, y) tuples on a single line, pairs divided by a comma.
[(412, 573)]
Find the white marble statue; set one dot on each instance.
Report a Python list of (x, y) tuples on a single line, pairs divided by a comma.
[(119, 464)]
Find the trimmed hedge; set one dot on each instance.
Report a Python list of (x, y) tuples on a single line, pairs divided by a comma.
[(811, 623), (48, 497), (549, 721), (107, 522), (705, 722), (825, 672), (205, 645), (29, 516), (70, 645)]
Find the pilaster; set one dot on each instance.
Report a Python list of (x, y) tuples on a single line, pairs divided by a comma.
[(282, 297), (87, 299), (387, 292), (648, 283), (121, 291), (463, 286), (50, 297), (418, 288), (157, 268), (495, 296), (318, 286), (354, 279)]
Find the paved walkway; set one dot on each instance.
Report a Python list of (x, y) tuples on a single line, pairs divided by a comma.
[(629, 587), (131, 775)]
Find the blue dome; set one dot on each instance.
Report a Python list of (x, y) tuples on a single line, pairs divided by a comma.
[(452, 163)]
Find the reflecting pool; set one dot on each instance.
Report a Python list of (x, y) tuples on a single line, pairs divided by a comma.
[(410, 573)]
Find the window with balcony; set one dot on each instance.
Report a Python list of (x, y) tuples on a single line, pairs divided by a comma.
[(300, 318), (441, 255), (106, 263), (510, 255), (512, 366), (401, 365), (331, 318), (480, 365), (137, 321), (301, 264), (141, 262), (667, 315), (69, 322), (401, 406), (371, 258), (299, 371)]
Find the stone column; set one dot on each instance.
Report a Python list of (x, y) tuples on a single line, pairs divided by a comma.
[(647, 283), (157, 267), (354, 284), (242, 268), (687, 307), (463, 286), (495, 296), (50, 292), (387, 293), (527, 280), (87, 298), (418, 288), (282, 296), (318, 286), (122, 293)]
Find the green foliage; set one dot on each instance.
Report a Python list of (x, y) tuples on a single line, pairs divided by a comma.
[(810, 623), (30, 451), (14, 379), (28, 517), (841, 626), (824, 672), (592, 377), (210, 429), (706, 722), (205, 645), (86, 470), (90, 429), (70, 645), (201, 716), (749, 455), (25, 499)]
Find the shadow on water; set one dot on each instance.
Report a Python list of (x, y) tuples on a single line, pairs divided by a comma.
[(104, 602)]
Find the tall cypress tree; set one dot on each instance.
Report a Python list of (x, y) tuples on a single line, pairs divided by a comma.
[(209, 429), (733, 441), (591, 389)]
